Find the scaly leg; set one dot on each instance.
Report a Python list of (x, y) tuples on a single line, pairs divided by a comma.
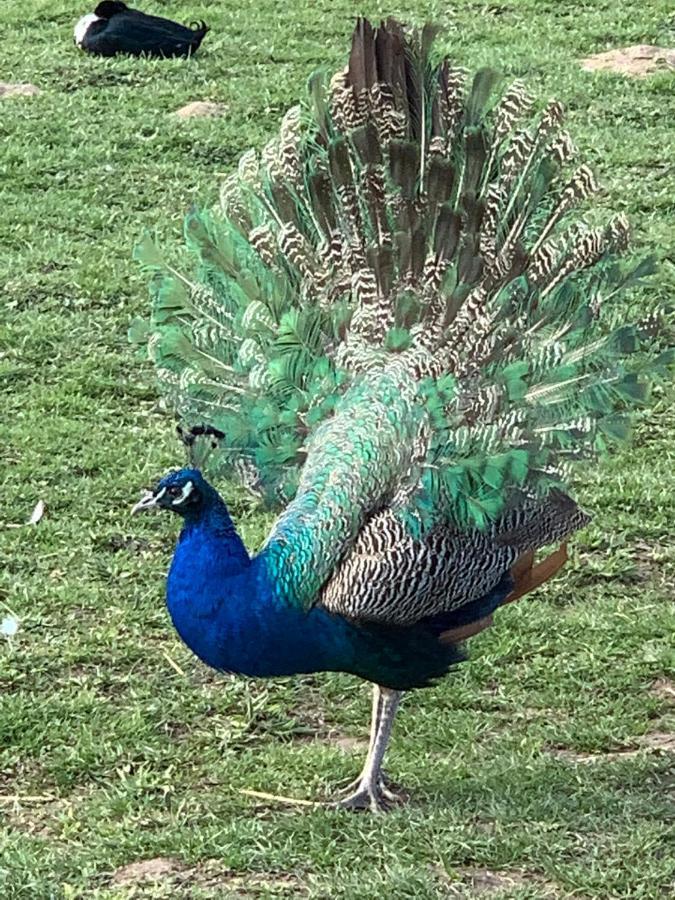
[(374, 723), (370, 791), (384, 782)]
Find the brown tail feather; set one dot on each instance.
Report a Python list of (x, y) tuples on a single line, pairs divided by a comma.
[(455, 635), (522, 566), (526, 577)]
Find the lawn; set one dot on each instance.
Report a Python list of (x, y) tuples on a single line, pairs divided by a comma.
[(544, 761)]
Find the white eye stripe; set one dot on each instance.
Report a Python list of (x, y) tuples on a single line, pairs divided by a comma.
[(188, 487)]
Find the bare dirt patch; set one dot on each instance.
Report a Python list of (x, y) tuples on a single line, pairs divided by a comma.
[(659, 742), (262, 886), (37, 811), (664, 689), (348, 744), (650, 558), (637, 61), (472, 881), (173, 873), (120, 542), (655, 742), (200, 109), (7, 89), (158, 869)]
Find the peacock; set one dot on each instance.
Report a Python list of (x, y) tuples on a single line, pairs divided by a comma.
[(397, 335)]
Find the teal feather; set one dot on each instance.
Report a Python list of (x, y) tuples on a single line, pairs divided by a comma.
[(392, 310)]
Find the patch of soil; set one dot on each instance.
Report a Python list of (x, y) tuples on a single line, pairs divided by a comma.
[(311, 722), (7, 89), (200, 109), (659, 742), (36, 824), (482, 882), (655, 742), (637, 61), (157, 869), (210, 874), (649, 560), (37, 810), (348, 744), (313, 728), (117, 542), (175, 730), (664, 689), (262, 886)]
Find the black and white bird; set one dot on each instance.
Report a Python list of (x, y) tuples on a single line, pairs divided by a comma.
[(114, 28)]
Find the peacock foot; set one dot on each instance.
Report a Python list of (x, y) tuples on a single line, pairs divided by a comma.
[(377, 796), (384, 782)]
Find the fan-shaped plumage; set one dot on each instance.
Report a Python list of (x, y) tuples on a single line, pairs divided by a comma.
[(405, 346)]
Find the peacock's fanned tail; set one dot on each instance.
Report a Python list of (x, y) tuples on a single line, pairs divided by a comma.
[(393, 309)]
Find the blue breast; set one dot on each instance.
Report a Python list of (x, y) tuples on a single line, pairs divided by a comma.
[(225, 608)]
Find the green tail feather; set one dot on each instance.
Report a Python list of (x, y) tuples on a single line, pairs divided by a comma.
[(408, 224)]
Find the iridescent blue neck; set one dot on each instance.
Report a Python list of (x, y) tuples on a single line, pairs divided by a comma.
[(226, 608), (211, 518), (230, 611)]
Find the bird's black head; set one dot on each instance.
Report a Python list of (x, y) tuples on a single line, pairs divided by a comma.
[(184, 492), (110, 8)]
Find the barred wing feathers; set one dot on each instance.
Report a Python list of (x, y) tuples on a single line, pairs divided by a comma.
[(392, 577)]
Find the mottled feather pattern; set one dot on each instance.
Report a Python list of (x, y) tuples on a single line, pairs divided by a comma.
[(393, 578), (515, 103), (427, 343)]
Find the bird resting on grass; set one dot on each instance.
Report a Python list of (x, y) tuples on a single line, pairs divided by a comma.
[(115, 28), (394, 335)]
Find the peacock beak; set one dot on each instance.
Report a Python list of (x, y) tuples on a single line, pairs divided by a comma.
[(147, 501)]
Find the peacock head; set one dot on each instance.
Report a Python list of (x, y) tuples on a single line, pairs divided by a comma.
[(184, 492)]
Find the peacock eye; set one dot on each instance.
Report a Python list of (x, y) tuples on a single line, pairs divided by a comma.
[(173, 491)]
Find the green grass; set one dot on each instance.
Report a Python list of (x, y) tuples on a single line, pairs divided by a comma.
[(140, 758)]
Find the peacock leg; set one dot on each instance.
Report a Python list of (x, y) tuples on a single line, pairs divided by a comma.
[(374, 722), (370, 790), (385, 783)]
